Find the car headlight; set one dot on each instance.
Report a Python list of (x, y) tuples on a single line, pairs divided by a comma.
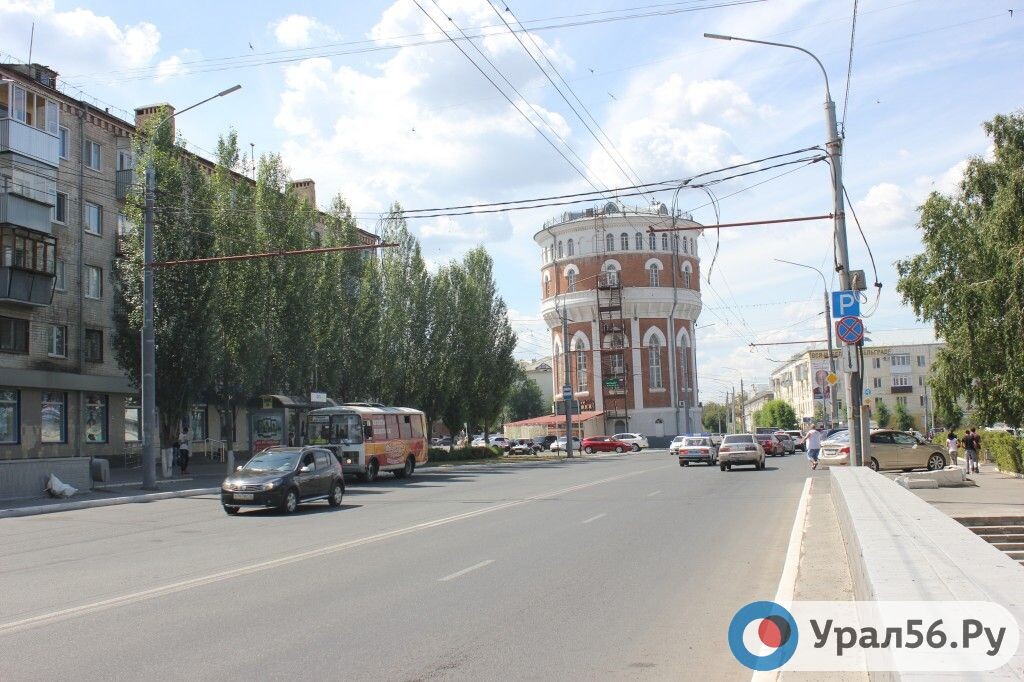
[(270, 485), (228, 485)]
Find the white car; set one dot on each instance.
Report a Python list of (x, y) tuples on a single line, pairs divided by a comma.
[(740, 448), (636, 441), (559, 445), (675, 445)]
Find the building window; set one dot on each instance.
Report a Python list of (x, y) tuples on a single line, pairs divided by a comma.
[(920, 361), (559, 249), (93, 218), (571, 278), (60, 208), (198, 423), (901, 400), (95, 418), (686, 275), (57, 343), (93, 282), (675, 243), (902, 360), (571, 246), (686, 245), (877, 382), (132, 420), (920, 381), (900, 380), (64, 142), (652, 241), (547, 288), (624, 241), (13, 335), (93, 155), (581, 367), (876, 363), (60, 280), (9, 417), (664, 241), (921, 398), (54, 417), (639, 239), (611, 276), (609, 242), (94, 345), (654, 362), (684, 363), (655, 275)]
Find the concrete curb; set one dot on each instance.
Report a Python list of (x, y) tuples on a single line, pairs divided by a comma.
[(108, 502)]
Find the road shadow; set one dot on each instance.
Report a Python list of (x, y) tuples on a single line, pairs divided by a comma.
[(311, 509)]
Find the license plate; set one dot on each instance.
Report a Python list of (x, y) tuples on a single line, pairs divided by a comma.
[(243, 496)]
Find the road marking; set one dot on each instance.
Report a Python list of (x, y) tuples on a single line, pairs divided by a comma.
[(787, 581), (464, 571), (172, 588), (594, 518), (656, 492)]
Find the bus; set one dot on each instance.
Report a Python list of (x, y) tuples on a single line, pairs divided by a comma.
[(368, 438)]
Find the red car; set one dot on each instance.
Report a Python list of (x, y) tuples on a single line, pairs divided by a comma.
[(603, 444), (772, 446)]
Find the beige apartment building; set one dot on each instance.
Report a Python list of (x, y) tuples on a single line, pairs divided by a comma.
[(893, 373), (66, 168)]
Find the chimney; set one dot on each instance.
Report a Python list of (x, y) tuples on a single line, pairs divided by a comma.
[(160, 111), (306, 189)]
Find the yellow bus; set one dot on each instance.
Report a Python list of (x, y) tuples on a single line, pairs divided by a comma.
[(368, 438)]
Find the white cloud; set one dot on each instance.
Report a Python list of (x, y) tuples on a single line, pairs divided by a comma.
[(174, 66), (299, 30), (886, 206)]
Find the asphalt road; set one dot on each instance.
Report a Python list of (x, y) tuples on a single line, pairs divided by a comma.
[(627, 567)]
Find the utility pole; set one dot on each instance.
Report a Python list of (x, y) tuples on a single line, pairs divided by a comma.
[(831, 360), (743, 408), (567, 402)]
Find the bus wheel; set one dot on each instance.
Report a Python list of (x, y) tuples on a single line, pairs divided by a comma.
[(410, 466), (372, 469)]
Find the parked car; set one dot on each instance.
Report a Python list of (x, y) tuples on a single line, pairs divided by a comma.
[(888, 449), (284, 477), (525, 446), (740, 448), (676, 444), (788, 444), (544, 442), (558, 444), (771, 445), (603, 444), (496, 441), (697, 449), (636, 441), (444, 442), (797, 435)]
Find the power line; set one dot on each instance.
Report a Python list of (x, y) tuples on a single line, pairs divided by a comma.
[(849, 66)]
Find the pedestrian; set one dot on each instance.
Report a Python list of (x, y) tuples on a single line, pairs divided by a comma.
[(970, 451), (977, 451), (184, 449), (812, 441), (952, 446)]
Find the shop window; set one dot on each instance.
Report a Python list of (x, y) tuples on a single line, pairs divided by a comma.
[(95, 418)]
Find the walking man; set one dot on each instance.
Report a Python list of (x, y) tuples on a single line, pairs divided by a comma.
[(977, 451), (970, 451), (184, 449), (812, 440)]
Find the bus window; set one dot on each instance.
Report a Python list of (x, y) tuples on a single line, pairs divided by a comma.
[(392, 422), (345, 429), (368, 430), (319, 429), (417, 426), (406, 427)]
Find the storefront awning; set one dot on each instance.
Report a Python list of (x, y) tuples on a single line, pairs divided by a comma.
[(557, 419)]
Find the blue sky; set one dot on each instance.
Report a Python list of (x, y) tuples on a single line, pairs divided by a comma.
[(420, 125)]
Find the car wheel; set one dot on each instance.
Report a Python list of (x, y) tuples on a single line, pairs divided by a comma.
[(589, 450), (231, 511), (873, 464), (635, 448), (290, 502), (722, 467), (936, 462), (682, 463), (372, 471), (337, 491), (618, 448)]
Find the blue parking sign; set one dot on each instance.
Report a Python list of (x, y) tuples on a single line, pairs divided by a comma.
[(845, 303)]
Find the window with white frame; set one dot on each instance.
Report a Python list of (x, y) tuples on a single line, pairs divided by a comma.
[(93, 282), (60, 272), (876, 363), (639, 239), (571, 247), (93, 155), (652, 241), (611, 275), (547, 287), (900, 380), (686, 245), (877, 382), (901, 400), (609, 242), (57, 343), (559, 249), (901, 360), (60, 208), (617, 365), (920, 361), (655, 275), (93, 218), (571, 280), (65, 141), (654, 362), (686, 275), (624, 241), (581, 366), (664, 241)]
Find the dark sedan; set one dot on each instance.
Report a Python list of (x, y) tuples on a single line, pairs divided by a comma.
[(284, 477)]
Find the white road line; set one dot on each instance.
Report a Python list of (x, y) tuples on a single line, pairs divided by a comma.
[(656, 492), (464, 571), (594, 518), (172, 588), (787, 582)]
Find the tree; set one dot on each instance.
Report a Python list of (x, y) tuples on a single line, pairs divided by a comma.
[(969, 282), (882, 414), (777, 413), (525, 399), (947, 412), (715, 417), (904, 422)]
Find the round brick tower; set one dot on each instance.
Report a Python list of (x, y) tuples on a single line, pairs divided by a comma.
[(632, 298)]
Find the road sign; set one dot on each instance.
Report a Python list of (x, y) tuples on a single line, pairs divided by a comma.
[(866, 401), (850, 329), (832, 379), (845, 303), (849, 359), (574, 407), (867, 391), (613, 382), (567, 392), (315, 397)]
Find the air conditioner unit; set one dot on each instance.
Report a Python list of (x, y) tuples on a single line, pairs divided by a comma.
[(682, 403)]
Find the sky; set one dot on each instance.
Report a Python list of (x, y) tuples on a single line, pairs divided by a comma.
[(374, 102)]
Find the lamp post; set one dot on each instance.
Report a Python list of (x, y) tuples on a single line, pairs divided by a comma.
[(150, 425), (828, 335), (834, 147)]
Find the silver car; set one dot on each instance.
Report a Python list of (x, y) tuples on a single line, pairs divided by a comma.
[(636, 441), (740, 448)]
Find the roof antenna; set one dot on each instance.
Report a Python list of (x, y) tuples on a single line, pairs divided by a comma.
[(32, 40)]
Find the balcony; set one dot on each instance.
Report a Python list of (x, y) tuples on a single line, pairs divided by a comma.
[(17, 211), (123, 182), (29, 141), (901, 389), (25, 287)]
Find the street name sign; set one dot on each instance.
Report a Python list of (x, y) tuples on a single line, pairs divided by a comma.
[(567, 392)]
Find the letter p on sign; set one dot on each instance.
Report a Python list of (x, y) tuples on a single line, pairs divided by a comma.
[(845, 303)]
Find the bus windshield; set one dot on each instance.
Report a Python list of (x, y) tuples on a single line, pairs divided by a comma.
[(335, 429)]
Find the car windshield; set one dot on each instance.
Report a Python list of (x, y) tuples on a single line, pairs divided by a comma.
[(272, 461), (739, 438), (678, 439), (695, 441), (840, 437)]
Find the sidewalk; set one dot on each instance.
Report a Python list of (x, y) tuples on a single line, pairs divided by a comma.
[(994, 494)]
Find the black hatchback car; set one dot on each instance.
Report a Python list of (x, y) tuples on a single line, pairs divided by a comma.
[(284, 477)]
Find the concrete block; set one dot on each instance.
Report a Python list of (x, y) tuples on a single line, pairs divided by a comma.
[(100, 469), (911, 483), (24, 478)]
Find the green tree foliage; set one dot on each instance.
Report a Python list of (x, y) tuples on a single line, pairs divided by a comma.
[(903, 420), (969, 281), (525, 399), (882, 414), (776, 413), (947, 412), (715, 417)]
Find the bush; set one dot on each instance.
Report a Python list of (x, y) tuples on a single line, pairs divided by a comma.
[(463, 454), (1007, 450)]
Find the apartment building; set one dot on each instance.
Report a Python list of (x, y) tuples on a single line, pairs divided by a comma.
[(66, 169)]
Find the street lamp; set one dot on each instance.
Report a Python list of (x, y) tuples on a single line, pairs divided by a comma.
[(150, 426), (828, 333), (834, 148)]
